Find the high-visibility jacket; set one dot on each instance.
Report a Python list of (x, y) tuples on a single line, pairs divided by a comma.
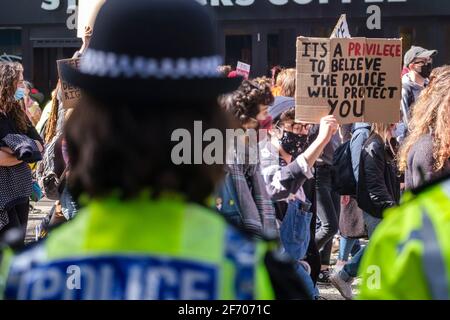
[(408, 256), (140, 249)]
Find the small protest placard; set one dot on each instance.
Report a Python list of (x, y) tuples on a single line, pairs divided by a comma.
[(87, 13), (341, 30), (70, 94), (355, 79), (243, 69)]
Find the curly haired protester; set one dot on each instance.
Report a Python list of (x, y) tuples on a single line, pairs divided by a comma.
[(20, 144), (145, 230), (425, 153), (253, 207)]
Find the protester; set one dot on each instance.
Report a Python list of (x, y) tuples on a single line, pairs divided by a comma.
[(277, 82), (177, 177), (327, 200), (378, 189), (20, 145), (280, 106), (425, 154), (69, 207), (419, 63), (378, 184), (288, 83), (52, 172), (142, 213), (224, 70), (255, 210), (353, 221), (32, 108), (275, 71), (23, 96), (51, 168), (328, 205), (37, 96), (263, 81), (287, 161), (45, 114)]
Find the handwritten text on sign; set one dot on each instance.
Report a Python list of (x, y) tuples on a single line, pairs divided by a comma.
[(70, 94), (355, 79)]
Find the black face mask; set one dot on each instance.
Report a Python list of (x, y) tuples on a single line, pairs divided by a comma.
[(426, 70), (294, 144)]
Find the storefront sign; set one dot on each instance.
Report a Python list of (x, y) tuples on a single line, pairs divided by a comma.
[(51, 5), (355, 79), (373, 11), (55, 4), (246, 3)]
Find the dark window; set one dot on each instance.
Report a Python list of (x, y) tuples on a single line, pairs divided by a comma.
[(446, 53), (322, 31), (10, 44), (238, 48), (408, 36), (273, 50), (45, 69)]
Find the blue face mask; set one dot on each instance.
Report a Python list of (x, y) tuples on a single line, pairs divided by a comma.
[(20, 93)]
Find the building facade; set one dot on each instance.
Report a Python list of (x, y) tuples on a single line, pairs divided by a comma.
[(259, 32)]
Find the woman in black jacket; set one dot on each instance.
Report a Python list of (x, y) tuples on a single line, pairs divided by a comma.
[(378, 189), (378, 185)]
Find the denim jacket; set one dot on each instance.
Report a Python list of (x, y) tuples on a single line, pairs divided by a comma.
[(227, 202)]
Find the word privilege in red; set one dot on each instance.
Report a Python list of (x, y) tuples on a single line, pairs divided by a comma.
[(357, 49)]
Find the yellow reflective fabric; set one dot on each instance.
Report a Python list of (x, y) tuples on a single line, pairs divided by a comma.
[(408, 256), (167, 227), (5, 261)]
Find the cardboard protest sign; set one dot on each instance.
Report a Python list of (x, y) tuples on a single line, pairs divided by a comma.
[(70, 94), (243, 69), (341, 30), (355, 79), (87, 13)]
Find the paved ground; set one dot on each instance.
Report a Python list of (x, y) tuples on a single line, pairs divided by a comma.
[(43, 207)]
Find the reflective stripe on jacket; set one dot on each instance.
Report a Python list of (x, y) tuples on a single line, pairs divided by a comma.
[(140, 249), (409, 255)]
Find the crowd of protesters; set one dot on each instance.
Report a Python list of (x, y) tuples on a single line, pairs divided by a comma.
[(46, 168), (289, 193), (387, 160)]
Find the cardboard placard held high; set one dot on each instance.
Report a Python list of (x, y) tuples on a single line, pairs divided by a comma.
[(70, 94), (355, 79)]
